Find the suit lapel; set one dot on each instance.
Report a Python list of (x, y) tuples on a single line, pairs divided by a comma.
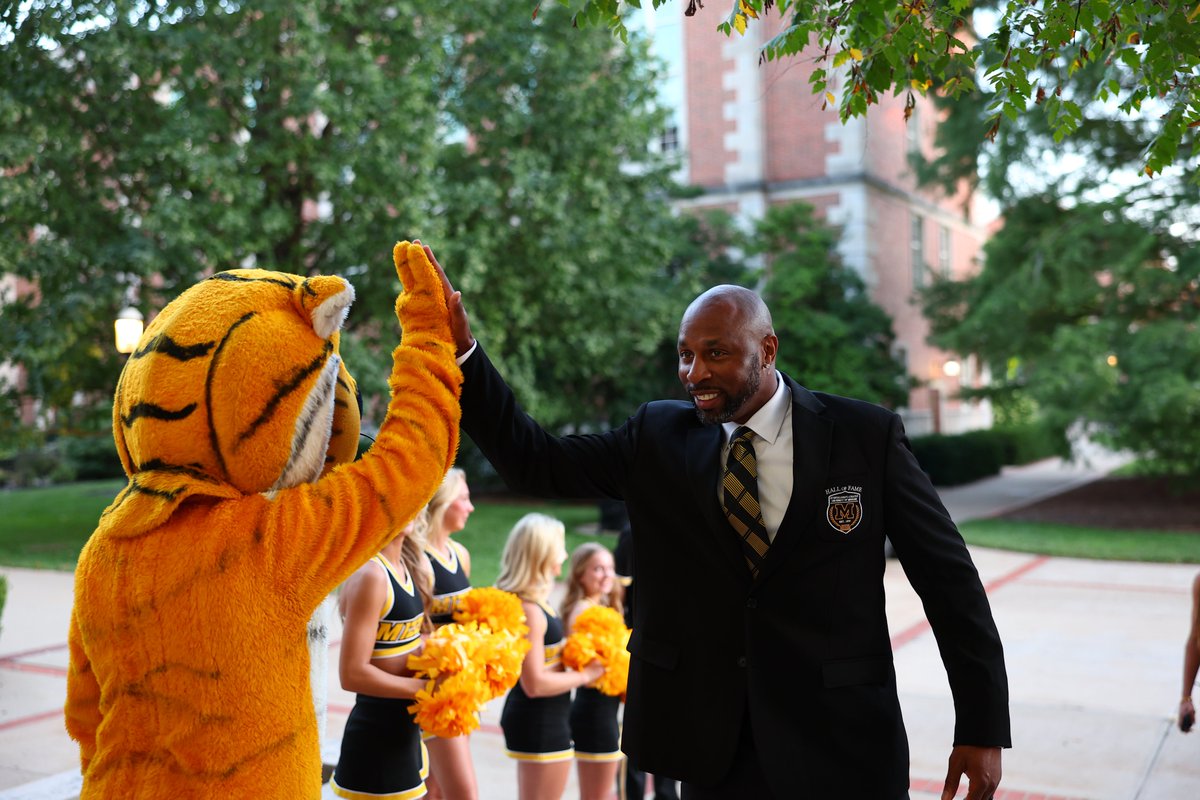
[(704, 474), (812, 438)]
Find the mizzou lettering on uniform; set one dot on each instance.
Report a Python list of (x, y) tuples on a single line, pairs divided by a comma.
[(446, 605), (844, 510), (401, 621), (554, 652), (393, 632), (450, 583)]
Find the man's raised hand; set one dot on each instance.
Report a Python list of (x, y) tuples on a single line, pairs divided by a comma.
[(460, 325)]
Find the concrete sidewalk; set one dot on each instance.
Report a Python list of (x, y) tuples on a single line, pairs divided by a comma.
[(1094, 657), (1023, 485)]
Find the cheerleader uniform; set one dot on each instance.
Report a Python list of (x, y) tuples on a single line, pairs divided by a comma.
[(536, 728), (382, 752), (594, 725), (450, 583)]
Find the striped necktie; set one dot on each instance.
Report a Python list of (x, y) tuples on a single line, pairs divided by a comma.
[(740, 495)]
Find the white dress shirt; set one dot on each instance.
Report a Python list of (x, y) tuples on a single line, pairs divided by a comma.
[(463, 358), (772, 426)]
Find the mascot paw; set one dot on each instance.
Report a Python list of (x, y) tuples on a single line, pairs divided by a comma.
[(422, 284)]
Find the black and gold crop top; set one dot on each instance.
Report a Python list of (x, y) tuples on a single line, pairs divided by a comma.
[(450, 583), (554, 639), (401, 618)]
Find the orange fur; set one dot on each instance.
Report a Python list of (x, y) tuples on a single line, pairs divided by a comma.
[(189, 666)]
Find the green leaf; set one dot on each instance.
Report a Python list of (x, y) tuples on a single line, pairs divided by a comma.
[(781, 43)]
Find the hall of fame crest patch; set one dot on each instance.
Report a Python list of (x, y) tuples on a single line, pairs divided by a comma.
[(844, 508)]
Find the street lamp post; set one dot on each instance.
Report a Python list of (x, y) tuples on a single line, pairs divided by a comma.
[(128, 329), (939, 389)]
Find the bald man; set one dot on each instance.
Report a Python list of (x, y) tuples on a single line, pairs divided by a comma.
[(761, 661)]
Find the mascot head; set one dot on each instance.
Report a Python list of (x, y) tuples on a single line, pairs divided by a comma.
[(237, 387)]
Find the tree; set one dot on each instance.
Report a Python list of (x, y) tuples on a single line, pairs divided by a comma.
[(308, 138), (1095, 315), (1093, 262), (144, 146), (832, 336), (1148, 50), (557, 217)]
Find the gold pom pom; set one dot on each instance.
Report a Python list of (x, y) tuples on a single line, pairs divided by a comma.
[(600, 634), (496, 608), (470, 662)]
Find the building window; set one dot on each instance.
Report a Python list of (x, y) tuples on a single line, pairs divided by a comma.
[(944, 251), (669, 140), (916, 244)]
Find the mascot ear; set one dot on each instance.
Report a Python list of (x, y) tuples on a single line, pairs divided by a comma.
[(347, 416), (326, 300)]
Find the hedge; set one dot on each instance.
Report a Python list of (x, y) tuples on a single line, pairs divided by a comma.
[(950, 460), (63, 459), (91, 457)]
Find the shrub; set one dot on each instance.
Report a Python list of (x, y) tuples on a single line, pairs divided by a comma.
[(950, 460), (91, 457), (33, 467), (1033, 441), (961, 458)]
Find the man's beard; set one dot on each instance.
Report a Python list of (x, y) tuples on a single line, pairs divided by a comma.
[(753, 381)]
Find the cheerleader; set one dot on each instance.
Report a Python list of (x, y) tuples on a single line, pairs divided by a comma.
[(383, 611), (535, 716), (452, 771), (591, 581)]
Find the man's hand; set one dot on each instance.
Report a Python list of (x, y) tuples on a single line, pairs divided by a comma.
[(460, 326), (981, 765), (1187, 714)]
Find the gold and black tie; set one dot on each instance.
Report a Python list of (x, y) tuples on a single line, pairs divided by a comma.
[(740, 495)]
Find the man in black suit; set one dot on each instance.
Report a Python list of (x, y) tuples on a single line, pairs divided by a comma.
[(632, 781), (761, 661)]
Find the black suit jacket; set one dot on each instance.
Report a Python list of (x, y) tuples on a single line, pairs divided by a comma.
[(803, 651)]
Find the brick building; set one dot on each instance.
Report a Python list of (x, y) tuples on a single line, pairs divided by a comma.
[(752, 136), (12, 375)]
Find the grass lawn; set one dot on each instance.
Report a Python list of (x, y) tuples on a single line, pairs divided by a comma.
[(1175, 547), (488, 528), (46, 528)]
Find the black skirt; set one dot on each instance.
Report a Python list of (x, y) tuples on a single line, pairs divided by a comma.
[(536, 728), (594, 725), (382, 753)]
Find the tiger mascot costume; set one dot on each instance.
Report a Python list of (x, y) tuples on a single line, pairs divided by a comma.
[(189, 665)]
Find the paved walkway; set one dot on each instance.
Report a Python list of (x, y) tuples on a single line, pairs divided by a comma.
[(1094, 656)]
